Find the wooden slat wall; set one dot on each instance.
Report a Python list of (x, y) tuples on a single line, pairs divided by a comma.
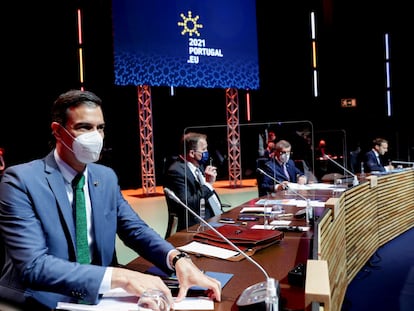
[(368, 217), (395, 205)]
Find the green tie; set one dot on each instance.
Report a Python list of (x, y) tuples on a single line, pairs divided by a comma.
[(82, 247)]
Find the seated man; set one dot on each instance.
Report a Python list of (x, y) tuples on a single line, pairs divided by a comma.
[(282, 168), (191, 179), (373, 161)]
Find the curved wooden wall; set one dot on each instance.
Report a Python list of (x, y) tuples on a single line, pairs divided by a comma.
[(361, 220)]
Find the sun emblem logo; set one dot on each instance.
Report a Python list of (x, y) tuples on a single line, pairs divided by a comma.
[(189, 24)]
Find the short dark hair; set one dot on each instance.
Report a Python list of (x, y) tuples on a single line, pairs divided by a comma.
[(379, 141), (190, 140), (281, 144), (72, 98)]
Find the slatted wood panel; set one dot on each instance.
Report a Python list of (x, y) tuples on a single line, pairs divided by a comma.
[(332, 249), (395, 205), (361, 227), (368, 217)]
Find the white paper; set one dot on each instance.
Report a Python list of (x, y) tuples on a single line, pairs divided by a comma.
[(280, 222), (119, 300), (254, 209), (207, 250), (294, 202), (195, 303), (274, 227)]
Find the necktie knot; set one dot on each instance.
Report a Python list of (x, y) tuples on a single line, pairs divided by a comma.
[(78, 182)]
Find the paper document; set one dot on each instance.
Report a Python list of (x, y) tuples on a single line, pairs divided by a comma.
[(119, 300), (256, 209), (294, 202), (207, 250), (272, 226)]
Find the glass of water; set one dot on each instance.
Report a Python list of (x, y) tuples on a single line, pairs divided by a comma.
[(154, 300)]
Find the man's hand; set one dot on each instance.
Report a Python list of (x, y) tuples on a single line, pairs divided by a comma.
[(302, 180), (211, 174), (282, 186), (136, 283), (189, 275)]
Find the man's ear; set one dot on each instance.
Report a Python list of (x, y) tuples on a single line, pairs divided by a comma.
[(56, 128)]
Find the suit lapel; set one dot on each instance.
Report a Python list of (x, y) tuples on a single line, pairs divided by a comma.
[(57, 186)]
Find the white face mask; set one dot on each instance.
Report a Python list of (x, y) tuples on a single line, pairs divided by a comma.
[(285, 157), (86, 147)]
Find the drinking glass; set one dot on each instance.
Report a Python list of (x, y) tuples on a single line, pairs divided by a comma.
[(154, 300)]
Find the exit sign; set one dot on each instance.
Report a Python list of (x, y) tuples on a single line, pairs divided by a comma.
[(348, 102)]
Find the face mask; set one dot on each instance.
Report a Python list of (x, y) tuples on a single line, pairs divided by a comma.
[(87, 147), (204, 158), (284, 157)]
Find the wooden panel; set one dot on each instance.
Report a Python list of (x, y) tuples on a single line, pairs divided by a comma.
[(317, 286), (366, 217)]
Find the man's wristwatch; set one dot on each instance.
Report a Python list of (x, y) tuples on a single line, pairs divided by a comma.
[(178, 257)]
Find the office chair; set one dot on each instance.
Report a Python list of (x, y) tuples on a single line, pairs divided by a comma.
[(172, 217), (172, 224), (259, 177)]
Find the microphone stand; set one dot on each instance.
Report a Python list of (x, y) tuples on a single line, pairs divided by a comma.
[(355, 181), (272, 298), (309, 210), (403, 162)]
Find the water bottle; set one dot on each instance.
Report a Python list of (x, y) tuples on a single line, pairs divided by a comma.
[(362, 169), (309, 212), (201, 227)]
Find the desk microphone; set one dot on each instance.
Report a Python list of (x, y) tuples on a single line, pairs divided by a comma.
[(255, 294), (355, 181), (309, 211), (403, 162)]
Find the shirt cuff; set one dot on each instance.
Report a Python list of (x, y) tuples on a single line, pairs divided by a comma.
[(106, 281), (168, 259), (209, 186)]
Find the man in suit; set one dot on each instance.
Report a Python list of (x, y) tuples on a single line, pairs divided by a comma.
[(282, 168), (37, 222), (184, 179), (374, 159)]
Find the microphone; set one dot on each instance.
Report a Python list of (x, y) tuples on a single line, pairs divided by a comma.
[(403, 162), (355, 181), (309, 210), (268, 287)]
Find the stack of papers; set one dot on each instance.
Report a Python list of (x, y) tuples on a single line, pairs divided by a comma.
[(119, 300), (208, 250), (294, 202)]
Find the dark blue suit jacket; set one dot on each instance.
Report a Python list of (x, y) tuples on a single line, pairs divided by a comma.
[(371, 163), (275, 169), (37, 226), (182, 182)]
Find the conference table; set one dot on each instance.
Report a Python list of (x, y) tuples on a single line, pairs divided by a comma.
[(350, 226), (277, 259)]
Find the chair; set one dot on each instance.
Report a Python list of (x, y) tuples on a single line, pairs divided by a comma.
[(172, 217), (172, 225), (332, 177), (259, 177), (310, 176)]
